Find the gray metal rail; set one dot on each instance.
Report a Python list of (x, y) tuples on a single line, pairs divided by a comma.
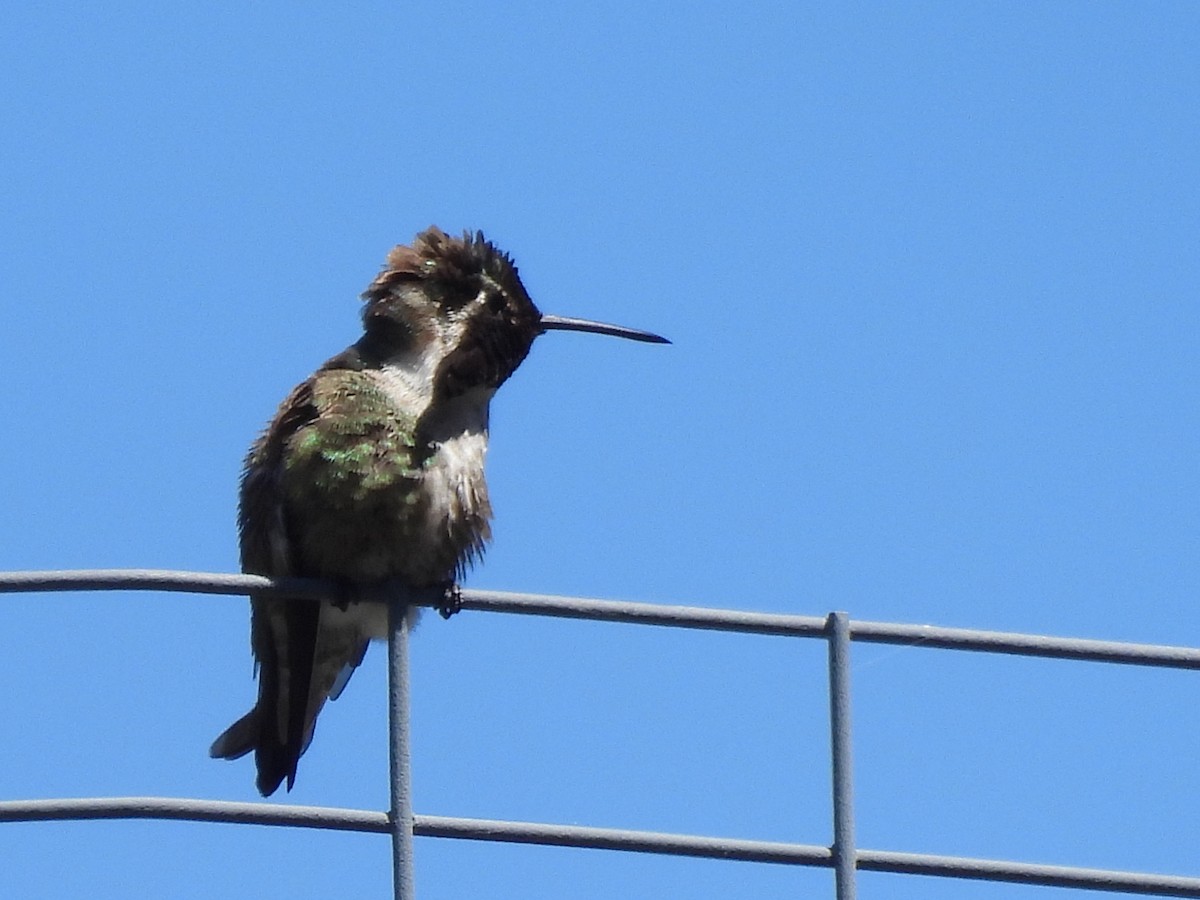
[(843, 856)]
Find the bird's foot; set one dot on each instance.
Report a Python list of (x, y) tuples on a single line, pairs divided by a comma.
[(451, 600), (345, 593)]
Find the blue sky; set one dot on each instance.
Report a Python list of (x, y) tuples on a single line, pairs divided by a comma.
[(931, 274)]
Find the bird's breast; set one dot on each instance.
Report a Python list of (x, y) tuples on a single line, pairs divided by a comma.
[(446, 519)]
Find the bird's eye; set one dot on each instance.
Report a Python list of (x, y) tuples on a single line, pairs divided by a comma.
[(496, 302)]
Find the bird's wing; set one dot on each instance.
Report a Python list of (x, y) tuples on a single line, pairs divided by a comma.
[(283, 630), (315, 486)]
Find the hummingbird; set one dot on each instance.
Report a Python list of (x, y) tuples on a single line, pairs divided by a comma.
[(373, 470)]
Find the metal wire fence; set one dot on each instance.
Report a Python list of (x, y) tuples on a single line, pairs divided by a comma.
[(837, 629)]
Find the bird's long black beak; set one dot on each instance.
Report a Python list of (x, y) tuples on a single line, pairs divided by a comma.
[(565, 323)]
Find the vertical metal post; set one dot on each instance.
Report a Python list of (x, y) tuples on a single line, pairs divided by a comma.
[(401, 775), (845, 853)]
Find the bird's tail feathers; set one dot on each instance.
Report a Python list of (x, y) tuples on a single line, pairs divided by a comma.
[(238, 739)]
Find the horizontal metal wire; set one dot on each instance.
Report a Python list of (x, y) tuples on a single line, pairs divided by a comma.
[(156, 580), (598, 839), (1028, 873), (621, 839), (1165, 656), (71, 809)]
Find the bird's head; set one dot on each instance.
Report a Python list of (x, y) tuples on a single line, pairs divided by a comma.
[(460, 301)]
